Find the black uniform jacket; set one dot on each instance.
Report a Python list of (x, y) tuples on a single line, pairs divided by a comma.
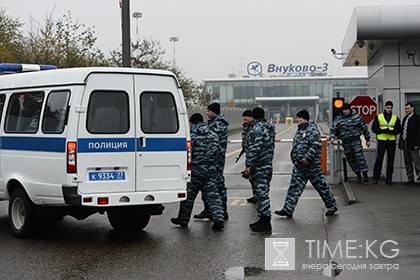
[(413, 132)]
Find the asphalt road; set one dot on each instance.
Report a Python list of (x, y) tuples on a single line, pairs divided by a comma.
[(91, 249)]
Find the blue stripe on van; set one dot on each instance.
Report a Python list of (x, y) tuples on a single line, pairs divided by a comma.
[(92, 145), (105, 145), (163, 144), (109, 145), (40, 144)]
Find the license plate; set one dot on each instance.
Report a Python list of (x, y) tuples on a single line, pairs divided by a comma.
[(107, 176)]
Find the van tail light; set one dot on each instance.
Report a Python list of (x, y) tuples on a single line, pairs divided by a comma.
[(71, 157), (103, 200), (188, 155)]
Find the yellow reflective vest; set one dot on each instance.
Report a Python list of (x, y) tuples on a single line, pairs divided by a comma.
[(385, 125)]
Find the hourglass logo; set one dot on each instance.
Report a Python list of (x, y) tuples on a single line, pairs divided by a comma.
[(280, 254)]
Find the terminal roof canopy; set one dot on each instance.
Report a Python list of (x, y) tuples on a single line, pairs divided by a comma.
[(371, 27), (278, 101), (288, 98)]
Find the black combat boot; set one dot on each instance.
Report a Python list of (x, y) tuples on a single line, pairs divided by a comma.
[(255, 223), (176, 221), (359, 177), (331, 212), (218, 226), (365, 177), (252, 200), (262, 225), (205, 214), (283, 213)]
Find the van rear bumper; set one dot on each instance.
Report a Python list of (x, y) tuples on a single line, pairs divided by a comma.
[(73, 197)]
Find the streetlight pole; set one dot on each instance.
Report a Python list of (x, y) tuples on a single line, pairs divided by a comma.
[(137, 15), (174, 39), (125, 25)]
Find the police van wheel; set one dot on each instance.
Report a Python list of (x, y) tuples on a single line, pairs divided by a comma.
[(127, 219), (21, 214)]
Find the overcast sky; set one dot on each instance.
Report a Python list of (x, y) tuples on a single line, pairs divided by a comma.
[(219, 37)]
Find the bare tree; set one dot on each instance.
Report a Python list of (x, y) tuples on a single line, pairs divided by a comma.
[(148, 53), (11, 39), (67, 43), (64, 43)]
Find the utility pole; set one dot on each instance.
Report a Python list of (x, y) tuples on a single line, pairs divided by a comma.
[(126, 40), (174, 39), (137, 15)]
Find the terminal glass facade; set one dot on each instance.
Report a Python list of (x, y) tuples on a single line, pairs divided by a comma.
[(242, 93)]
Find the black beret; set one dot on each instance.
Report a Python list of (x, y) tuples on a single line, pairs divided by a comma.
[(214, 107), (346, 106), (258, 113), (247, 113), (303, 114), (195, 118)]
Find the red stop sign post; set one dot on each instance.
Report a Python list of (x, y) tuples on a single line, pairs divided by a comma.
[(365, 106)]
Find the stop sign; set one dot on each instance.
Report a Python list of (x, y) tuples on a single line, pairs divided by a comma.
[(365, 106)]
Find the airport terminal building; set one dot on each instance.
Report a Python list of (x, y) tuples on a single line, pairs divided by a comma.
[(284, 96)]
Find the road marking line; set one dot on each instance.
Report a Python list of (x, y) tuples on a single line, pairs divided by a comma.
[(232, 153), (304, 198), (241, 201), (283, 131), (238, 151), (238, 202)]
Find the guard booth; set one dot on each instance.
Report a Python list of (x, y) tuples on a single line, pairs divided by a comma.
[(386, 39)]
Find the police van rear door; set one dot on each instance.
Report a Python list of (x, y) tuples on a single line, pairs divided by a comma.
[(106, 135), (161, 134)]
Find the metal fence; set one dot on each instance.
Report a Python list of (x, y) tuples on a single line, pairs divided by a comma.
[(232, 115)]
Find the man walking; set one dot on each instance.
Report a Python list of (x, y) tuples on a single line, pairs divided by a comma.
[(410, 144), (246, 127), (306, 157), (218, 124), (259, 167), (205, 145), (348, 126), (386, 126)]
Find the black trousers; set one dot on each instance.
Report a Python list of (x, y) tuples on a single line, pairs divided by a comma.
[(389, 147)]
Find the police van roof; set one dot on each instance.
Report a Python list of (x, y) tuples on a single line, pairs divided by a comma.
[(68, 76)]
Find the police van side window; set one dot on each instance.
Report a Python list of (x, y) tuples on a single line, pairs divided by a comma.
[(24, 112), (55, 112), (158, 113), (108, 113)]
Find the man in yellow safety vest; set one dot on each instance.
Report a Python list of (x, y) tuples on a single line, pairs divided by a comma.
[(386, 126)]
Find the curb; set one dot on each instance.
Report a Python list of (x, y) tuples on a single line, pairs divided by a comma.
[(349, 193)]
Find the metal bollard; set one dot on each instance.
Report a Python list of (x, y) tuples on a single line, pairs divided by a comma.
[(346, 177)]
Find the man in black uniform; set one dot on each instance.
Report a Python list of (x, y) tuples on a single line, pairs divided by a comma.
[(410, 144)]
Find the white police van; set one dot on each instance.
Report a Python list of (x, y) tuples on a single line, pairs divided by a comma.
[(87, 140)]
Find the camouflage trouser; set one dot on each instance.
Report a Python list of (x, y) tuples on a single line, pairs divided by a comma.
[(355, 157), (207, 184), (220, 182), (300, 177), (260, 181), (220, 166)]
